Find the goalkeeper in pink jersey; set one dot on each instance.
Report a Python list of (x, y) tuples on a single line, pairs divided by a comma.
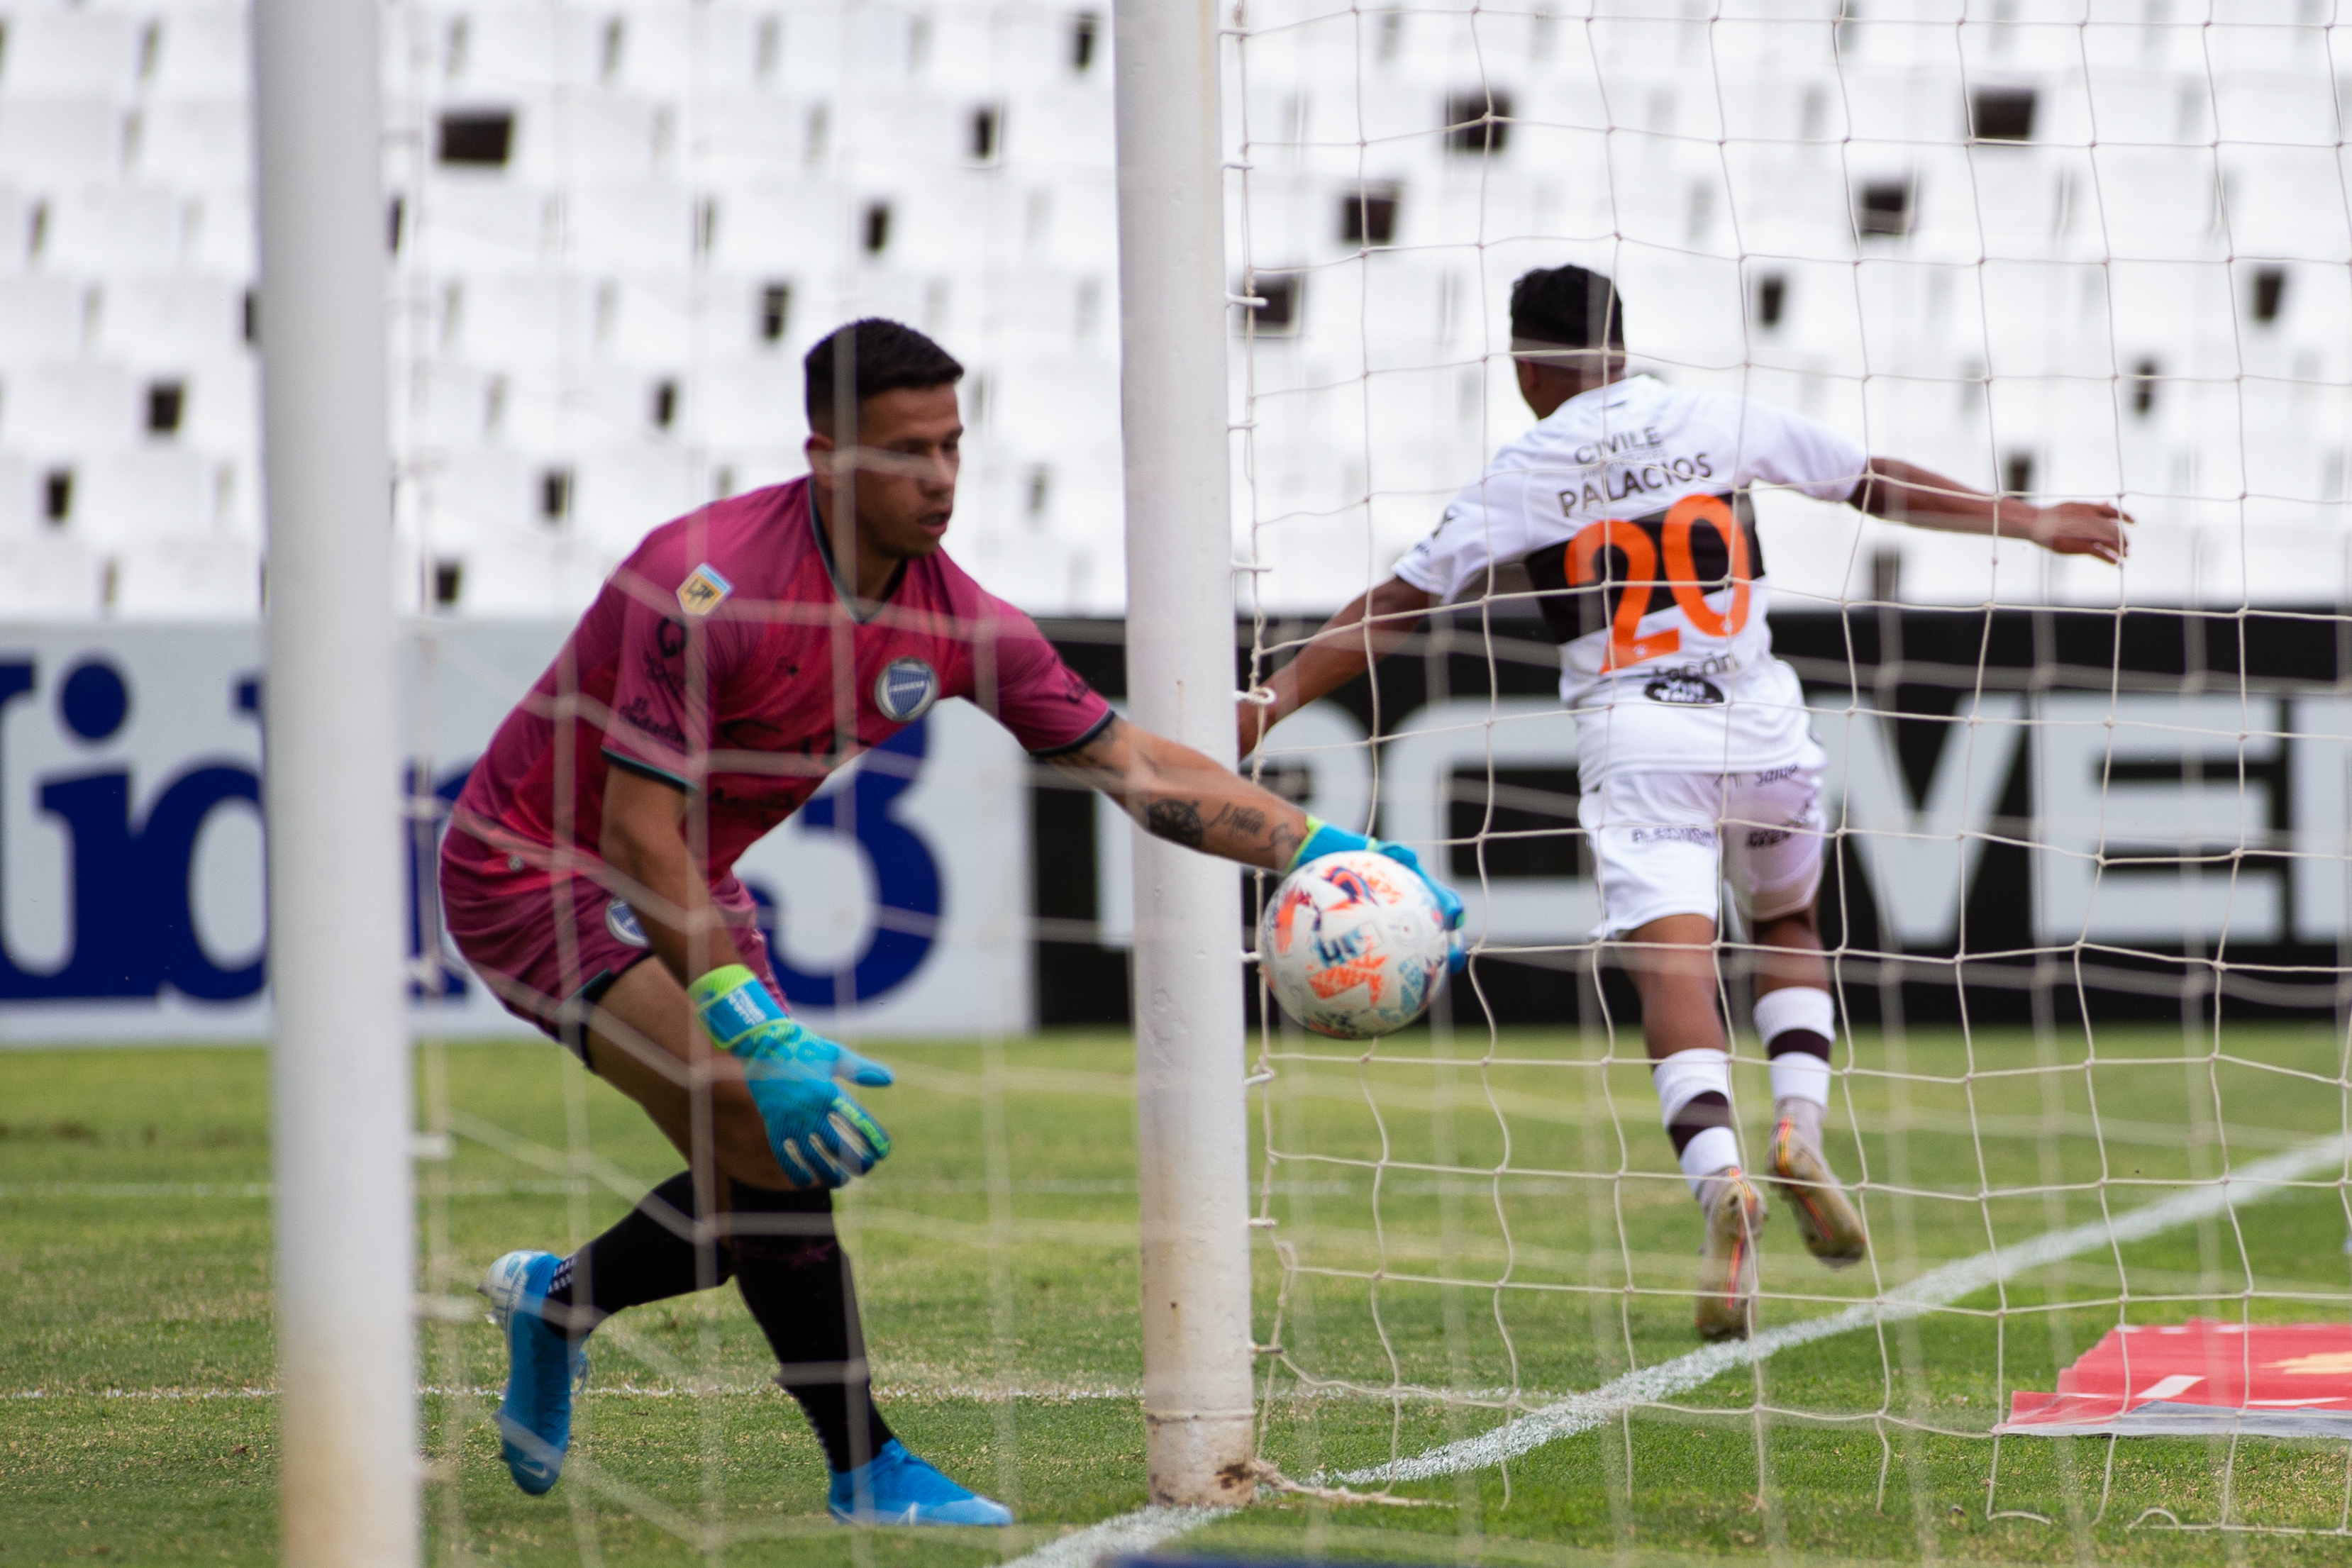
[(741, 655), (1627, 505)]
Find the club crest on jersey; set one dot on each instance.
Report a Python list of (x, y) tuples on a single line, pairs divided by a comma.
[(699, 594), (906, 689), (621, 922)]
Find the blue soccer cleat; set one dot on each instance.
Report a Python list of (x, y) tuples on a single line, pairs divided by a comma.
[(897, 1488), (543, 1369)]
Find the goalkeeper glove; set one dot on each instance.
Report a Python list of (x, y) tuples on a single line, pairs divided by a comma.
[(1323, 839), (819, 1134)]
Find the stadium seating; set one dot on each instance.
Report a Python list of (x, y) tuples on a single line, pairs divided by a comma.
[(615, 228)]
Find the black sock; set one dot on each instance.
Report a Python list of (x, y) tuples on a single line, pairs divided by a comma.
[(645, 1258), (795, 1279), (1700, 1112)]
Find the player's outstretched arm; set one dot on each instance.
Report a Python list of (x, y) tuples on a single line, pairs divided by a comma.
[(1344, 649), (1179, 794), (1906, 492)]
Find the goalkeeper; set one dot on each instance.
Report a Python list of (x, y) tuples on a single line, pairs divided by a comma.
[(741, 655), (1627, 506)]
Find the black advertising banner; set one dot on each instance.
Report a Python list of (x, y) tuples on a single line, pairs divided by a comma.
[(2035, 813)]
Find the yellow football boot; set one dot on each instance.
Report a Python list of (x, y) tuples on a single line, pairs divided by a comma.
[(1832, 1229), (1726, 1266)]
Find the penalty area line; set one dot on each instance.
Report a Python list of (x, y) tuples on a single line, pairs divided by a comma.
[(1154, 1526)]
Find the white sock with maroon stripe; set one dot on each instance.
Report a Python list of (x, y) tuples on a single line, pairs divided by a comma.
[(1797, 1023)]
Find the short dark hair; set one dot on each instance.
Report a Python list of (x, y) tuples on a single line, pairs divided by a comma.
[(885, 356), (1570, 306)]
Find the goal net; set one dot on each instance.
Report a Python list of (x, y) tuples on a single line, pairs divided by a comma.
[(2083, 883), (2083, 828)]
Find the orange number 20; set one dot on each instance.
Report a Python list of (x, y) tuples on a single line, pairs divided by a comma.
[(1626, 643), (1684, 574)]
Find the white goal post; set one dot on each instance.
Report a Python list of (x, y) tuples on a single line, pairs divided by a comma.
[(1191, 1119), (340, 1082)]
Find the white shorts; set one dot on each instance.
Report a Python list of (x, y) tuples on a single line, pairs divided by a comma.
[(1664, 843)]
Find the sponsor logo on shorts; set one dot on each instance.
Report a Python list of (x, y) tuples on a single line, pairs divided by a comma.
[(1777, 774), (700, 593), (1684, 690), (1765, 838), (906, 689), (1703, 837), (621, 922)]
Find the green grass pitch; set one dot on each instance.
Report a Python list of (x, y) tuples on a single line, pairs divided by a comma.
[(996, 1260)]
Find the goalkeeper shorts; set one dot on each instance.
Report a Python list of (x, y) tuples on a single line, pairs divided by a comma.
[(550, 947), (1667, 843)]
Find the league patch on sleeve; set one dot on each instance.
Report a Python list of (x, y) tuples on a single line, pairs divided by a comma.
[(699, 594)]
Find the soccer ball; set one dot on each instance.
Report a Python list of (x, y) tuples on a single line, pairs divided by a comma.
[(1354, 945)]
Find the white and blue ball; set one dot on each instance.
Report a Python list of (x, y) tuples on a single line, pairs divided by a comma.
[(1353, 945)]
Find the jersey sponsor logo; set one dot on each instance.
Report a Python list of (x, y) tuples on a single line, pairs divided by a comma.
[(1684, 690), (906, 689), (703, 589), (621, 922), (640, 714)]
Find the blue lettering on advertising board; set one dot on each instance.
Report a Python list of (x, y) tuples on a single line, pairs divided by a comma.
[(447, 981), (905, 877), (134, 929), (131, 926)]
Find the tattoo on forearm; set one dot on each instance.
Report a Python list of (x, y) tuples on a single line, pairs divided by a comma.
[(1179, 821), (1286, 841), (1087, 758), (1247, 821)]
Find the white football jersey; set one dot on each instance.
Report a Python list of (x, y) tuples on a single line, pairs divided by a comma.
[(1628, 508)]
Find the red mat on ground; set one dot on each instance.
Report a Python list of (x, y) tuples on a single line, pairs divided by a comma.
[(2283, 1380)]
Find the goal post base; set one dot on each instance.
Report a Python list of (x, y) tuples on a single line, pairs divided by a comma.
[(1193, 1459)]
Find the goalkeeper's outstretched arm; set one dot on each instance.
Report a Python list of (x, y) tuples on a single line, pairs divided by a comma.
[(1905, 493), (1368, 629), (1181, 795)]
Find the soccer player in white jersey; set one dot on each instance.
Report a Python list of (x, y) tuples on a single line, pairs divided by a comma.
[(1627, 506)]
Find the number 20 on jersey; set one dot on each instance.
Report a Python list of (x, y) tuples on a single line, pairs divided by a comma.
[(1587, 567)]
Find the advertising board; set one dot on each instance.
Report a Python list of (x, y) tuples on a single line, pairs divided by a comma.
[(132, 849)]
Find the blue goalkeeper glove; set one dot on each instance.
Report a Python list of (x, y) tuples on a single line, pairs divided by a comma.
[(820, 1135), (1323, 839)]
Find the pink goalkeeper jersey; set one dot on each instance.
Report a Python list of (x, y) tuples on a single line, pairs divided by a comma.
[(708, 661)]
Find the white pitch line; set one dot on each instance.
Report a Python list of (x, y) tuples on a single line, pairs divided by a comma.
[(1582, 1412), (1138, 1532), (1149, 1527)]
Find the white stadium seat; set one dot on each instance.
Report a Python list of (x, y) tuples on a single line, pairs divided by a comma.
[(196, 141), (189, 577), (136, 498), (40, 320), (73, 51), (54, 142), (47, 578), (63, 407)]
